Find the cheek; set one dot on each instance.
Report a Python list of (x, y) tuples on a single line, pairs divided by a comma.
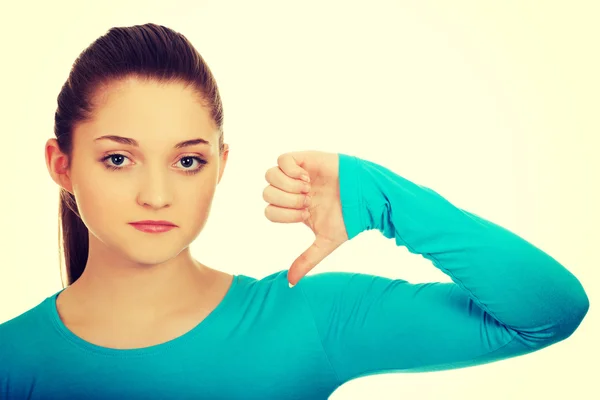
[(98, 201), (196, 204)]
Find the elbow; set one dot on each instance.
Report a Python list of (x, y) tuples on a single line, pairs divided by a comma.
[(563, 325), (572, 317), (575, 316), (576, 305)]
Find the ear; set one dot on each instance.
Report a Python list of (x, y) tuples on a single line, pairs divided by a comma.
[(223, 161), (58, 165)]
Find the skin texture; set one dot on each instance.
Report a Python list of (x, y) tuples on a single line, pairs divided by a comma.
[(132, 277)]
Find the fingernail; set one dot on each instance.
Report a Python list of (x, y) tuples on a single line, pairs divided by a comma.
[(305, 178), (291, 286), (307, 201)]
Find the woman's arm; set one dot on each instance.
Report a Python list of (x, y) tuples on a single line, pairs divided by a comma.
[(507, 298)]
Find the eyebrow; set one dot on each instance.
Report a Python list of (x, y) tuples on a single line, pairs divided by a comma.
[(133, 142)]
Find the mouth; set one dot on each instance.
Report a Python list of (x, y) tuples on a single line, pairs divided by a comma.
[(153, 226)]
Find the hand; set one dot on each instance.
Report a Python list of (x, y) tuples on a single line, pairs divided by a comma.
[(286, 196)]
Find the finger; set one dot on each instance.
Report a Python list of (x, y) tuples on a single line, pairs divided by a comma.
[(289, 165), (279, 198), (285, 215), (308, 260), (276, 177)]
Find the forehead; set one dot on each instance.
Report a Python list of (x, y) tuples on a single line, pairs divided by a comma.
[(149, 111)]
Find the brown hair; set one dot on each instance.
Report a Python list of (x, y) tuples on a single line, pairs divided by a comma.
[(146, 52)]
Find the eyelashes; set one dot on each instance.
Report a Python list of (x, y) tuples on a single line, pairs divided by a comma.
[(186, 171)]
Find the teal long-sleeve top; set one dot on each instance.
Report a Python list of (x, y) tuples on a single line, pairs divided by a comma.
[(266, 340)]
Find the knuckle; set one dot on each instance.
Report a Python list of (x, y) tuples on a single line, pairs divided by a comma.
[(300, 201)]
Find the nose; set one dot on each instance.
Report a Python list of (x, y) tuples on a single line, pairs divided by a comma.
[(154, 189)]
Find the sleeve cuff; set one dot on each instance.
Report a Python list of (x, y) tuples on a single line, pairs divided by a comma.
[(350, 173)]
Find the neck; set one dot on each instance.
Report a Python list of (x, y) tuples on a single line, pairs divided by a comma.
[(114, 287)]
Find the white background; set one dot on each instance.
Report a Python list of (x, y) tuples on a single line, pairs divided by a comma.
[(492, 104)]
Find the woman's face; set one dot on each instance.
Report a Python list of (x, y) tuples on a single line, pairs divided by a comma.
[(116, 183)]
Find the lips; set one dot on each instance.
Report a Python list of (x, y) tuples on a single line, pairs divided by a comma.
[(149, 222), (153, 227)]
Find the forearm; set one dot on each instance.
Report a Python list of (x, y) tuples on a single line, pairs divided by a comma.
[(515, 282)]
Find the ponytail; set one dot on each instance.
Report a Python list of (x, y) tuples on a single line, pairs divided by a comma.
[(75, 240)]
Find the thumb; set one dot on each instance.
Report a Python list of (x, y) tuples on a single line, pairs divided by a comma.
[(320, 249)]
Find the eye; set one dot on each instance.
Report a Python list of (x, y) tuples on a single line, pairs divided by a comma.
[(114, 157), (191, 160), (117, 159)]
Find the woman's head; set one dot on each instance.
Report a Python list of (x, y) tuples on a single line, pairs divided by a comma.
[(150, 87)]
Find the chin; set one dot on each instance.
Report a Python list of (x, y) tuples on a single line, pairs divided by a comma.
[(158, 256), (155, 249)]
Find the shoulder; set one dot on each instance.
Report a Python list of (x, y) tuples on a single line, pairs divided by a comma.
[(318, 282), (25, 328), (327, 284), (322, 291), (15, 326), (273, 292)]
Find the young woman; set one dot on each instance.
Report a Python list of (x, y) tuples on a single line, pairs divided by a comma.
[(139, 139)]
